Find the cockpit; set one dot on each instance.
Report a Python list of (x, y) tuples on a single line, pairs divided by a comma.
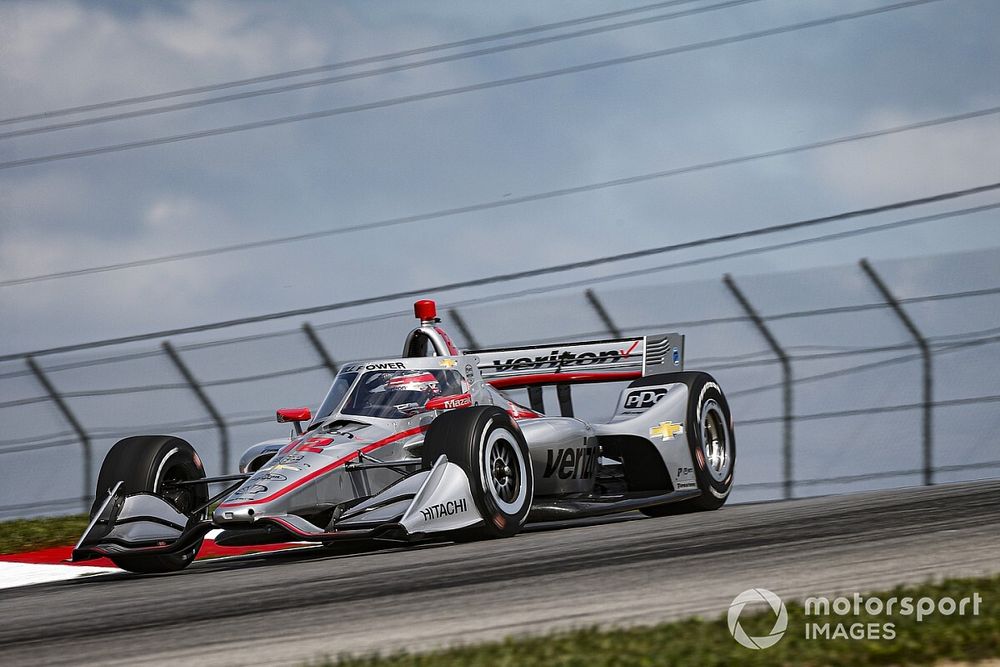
[(389, 394)]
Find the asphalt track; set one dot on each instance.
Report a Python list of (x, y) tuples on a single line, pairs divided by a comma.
[(290, 607)]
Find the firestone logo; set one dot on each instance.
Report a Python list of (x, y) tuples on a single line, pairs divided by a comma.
[(757, 595)]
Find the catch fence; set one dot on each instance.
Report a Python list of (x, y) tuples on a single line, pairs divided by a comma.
[(843, 378)]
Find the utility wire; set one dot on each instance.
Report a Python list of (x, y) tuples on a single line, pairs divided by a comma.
[(840, 372), (326, 81), (757, 250), (707, 365), (509, 201), (198, 424), (446, 92), (517, 275), (641, 327), (369, 60), (973, 400)]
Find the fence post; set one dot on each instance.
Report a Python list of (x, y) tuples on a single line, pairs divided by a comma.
[(786, 382), (925, 352), (81, 433), (317, 344), (220, 423), (602, 313), (464, 329)]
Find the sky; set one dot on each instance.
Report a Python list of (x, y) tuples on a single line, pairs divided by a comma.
[(894, 68)]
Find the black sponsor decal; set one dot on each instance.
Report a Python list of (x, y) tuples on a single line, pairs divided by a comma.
[(643, 399), (385, 366), (470, 374), (269, 477), (685, 471), (448, 508), (571, 463), (561, 359)]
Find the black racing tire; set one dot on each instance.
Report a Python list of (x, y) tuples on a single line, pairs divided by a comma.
[(489, 446), (712, 440), (144, 463)]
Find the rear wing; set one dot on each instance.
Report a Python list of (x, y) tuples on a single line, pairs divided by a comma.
[(573, 363)]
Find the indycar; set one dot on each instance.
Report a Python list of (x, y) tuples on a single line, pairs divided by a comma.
[(430, 446)]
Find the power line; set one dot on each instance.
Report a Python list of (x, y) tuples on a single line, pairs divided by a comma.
[(707, 365), (605, 278), (199, 425), (530, 291), (517, 275), (679, 324), (446, 92), (940, 349), (500, 203), (369, 60), (326, 81), (877, 410)]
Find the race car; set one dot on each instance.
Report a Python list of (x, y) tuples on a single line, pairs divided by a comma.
[(430, 446)]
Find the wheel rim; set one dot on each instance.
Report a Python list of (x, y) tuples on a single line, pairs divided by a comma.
[(184, 498), (716, 443), (504, 470)]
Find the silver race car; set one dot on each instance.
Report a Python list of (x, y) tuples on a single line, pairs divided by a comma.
[(429, 446)]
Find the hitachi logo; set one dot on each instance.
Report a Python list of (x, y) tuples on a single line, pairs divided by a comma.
[(561, 359), (444, 509)]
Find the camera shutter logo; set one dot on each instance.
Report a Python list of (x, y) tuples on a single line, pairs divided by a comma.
[(757, 595)]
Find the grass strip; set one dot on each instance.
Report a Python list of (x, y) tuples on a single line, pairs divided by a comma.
[(708, 643), (22, 535)]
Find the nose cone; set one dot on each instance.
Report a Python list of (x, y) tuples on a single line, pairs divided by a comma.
[(288, 483), (223, 515)]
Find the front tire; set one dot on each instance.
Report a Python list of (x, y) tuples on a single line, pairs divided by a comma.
[(147, 464), (712, 441), (488, 445)]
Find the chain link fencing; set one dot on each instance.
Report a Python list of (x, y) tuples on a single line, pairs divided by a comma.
[(840, 379)]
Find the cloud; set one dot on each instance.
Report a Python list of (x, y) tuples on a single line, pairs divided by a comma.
[(64, 53), (428, 156), (912, 164)]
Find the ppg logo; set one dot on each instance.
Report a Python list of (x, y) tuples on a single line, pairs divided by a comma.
[(641, 399)]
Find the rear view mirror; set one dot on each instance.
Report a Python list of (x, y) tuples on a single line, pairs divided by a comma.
[(449, 402), (296, 415)]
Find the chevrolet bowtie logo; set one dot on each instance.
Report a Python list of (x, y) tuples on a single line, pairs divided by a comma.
[(448, 363), (667, 430)]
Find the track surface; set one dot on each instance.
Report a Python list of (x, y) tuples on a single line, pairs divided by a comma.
[(287, 608)]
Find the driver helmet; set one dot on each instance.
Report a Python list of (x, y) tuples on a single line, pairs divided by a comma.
[(421, 381), (411, 389)]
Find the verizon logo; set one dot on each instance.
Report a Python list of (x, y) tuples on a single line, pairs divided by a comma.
[(562, 359)]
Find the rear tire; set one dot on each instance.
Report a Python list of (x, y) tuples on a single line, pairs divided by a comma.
[(146, 464), (488, 445), (712, 441)]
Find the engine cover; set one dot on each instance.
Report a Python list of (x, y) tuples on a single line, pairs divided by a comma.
[(564, 454)]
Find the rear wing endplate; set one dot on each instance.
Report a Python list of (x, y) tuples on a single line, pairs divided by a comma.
[(591, 361)]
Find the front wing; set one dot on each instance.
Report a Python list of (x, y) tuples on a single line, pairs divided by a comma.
[(427, 502)]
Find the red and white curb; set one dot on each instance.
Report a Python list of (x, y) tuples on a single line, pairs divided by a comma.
[(49, 565)]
